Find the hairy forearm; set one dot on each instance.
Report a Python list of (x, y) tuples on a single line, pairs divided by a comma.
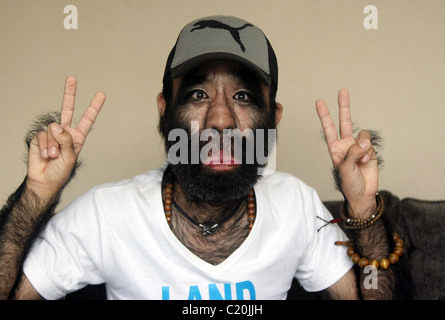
[(25, 213), (373, 243), (21, 219)]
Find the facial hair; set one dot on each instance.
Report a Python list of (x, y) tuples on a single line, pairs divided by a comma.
[(204, 184)]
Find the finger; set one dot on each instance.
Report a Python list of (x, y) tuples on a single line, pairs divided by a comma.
[(327, 124), (62, 139), (42, 142), (356, 152), (344, 114), (68, 101), (34, 146), (52, 144), (371, 155), (362, 136), (90, 115)]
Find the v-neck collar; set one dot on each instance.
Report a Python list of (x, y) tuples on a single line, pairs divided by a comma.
[(190, 256)]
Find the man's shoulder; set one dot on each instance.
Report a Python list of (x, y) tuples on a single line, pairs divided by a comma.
[(282, 186), (141, 182), (283, 179), (115, 195)]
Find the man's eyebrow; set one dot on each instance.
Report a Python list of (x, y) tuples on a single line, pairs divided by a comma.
[(246, 77), (249, 80), (189, 80), (193, 79)]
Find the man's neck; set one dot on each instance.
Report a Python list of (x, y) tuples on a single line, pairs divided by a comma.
[(215, 247)]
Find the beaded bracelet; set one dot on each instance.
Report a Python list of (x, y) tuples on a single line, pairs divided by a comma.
[(350, 223), (384, 263)]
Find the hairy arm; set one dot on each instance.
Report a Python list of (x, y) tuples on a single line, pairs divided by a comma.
[(373, 243), (367, 284), (53, 149), (356, 172), (21, 219)]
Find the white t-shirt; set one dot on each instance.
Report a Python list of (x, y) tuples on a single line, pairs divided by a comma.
[(117, 234)]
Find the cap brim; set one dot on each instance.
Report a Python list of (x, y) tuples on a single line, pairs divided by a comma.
[(195, 62)]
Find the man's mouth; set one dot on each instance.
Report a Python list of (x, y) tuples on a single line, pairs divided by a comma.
[(221, 162)]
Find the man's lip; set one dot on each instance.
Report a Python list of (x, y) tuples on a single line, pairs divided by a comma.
[(232, 164), (217, 163), (221, 166), (221, 162)]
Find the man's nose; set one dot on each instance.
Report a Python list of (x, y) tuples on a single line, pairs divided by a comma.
[(220, 115)]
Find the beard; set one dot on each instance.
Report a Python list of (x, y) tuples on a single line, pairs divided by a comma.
[(203, 184), (200, 181)]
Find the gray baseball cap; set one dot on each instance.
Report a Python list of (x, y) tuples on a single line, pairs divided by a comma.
[(222, 38)]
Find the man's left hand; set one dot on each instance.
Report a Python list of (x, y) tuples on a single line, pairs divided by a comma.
[(354, 159)]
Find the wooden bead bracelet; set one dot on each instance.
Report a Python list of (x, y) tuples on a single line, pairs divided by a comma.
[(350, 223), (384, 263)]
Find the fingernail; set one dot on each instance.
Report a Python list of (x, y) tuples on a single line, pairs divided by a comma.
[(57, 128), (45, 153), (364, 144), (53, 151)]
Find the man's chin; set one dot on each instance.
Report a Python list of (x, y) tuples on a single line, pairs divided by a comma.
[(217, 182)]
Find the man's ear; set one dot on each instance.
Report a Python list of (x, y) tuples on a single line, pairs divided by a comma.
[(161, 104), (278, 113)]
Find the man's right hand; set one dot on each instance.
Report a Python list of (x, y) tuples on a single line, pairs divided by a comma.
[(53, 153)]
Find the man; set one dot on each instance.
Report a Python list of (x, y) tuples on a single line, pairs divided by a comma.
[(207, 229)]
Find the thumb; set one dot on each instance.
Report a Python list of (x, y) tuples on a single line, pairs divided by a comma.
[(351, 179), (358, 150), (63, 139)]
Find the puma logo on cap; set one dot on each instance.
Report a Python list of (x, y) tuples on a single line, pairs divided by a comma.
[(219, 25)]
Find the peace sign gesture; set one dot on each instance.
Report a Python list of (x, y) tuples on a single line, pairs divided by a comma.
[(53, 153), (354, 159)]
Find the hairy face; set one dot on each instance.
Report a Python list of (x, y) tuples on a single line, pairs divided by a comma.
[(217, 97)]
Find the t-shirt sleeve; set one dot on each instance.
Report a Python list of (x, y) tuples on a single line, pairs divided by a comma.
[(66, 256), (324, 262)]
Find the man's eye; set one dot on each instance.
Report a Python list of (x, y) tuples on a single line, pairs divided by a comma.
[(199, 95), (243, 97)]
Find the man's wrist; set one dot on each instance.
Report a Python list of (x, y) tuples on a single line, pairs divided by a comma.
[(37, 197), (45, 194), (362, 209)]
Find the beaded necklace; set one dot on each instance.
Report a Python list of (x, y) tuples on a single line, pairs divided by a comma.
[(211, 228)]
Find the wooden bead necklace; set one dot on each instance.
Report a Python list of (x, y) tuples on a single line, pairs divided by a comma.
[(384, 263), (251, 208), (211, 228)]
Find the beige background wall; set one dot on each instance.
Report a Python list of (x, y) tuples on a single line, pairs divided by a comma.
[(395, 75)]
